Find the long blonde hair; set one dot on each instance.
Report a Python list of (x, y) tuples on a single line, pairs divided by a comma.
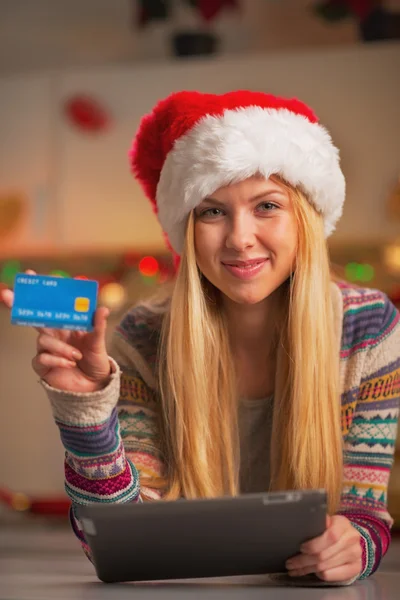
[(198, 385)]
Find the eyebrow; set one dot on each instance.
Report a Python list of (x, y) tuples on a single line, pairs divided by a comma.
[(265, 194)]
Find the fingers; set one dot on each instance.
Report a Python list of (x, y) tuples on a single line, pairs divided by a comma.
[(52, 353), (99, 332), (314, 564), (342, 573), (47, 344), (44, 362), (7, 296), (338, 550), (337, 527), (305, 559)]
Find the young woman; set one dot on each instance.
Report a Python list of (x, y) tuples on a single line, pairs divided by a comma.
[(260, 370)]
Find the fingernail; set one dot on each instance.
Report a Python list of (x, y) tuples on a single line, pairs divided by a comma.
[(77, 355)]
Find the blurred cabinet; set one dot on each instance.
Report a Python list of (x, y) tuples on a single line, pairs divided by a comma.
[(27, 176)]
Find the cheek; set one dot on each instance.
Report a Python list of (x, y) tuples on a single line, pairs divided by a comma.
[(283, 239), (207, 242)]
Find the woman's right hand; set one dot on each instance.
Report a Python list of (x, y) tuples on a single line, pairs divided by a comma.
[(71, 361)]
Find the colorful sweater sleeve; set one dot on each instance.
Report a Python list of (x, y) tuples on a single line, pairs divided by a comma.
[(109, 438), (370, 437)]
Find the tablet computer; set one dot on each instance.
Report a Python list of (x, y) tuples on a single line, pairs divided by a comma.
[(243, 535)]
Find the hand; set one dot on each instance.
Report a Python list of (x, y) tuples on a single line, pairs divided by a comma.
[(72, 361), (336, 555)]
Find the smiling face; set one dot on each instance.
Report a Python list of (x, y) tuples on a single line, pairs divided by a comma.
[(246, 238)]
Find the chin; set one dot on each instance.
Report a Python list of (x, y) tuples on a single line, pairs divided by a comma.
[(247, 296)]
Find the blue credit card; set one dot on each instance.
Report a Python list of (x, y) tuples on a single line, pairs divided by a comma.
[(56, 302)]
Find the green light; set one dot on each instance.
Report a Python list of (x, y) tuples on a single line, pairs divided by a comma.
[(369, 273), (9, 271), (59, 273), (351, 270), (360, 272)]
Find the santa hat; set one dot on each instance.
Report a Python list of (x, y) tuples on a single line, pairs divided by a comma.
[(191, 144)]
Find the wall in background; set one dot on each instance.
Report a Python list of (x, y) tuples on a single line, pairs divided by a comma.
[(80, 193)]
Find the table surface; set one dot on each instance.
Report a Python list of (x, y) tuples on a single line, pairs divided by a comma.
[(45, 562)]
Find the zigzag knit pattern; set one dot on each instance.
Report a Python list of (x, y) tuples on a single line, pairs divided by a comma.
[(104, 459)]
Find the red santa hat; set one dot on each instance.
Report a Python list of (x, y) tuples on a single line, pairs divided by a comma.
[(192, 143)]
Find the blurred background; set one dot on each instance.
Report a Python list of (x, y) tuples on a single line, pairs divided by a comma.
[(75, 79)]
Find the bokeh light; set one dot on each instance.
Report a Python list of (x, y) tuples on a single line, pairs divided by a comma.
[(149, 266), (113, 296)]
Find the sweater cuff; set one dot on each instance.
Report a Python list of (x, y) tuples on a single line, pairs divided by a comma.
[(368, 555), (90, 408)]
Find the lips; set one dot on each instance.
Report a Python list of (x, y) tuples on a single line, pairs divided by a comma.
[(246, 269)]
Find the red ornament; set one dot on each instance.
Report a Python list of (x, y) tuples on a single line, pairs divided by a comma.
[(148, 266), (86, 113), (209, 9)]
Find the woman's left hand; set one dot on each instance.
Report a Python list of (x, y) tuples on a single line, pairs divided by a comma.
[(336, 555)]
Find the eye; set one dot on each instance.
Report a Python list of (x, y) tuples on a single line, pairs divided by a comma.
[(211, 212), (267, 207)]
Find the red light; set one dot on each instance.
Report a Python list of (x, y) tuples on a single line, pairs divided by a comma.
[(81, 277), (148, 266)]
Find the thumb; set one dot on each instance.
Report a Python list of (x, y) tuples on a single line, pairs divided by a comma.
[(100, 326)]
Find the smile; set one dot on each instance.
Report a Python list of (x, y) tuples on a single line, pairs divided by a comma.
[(246, 271)]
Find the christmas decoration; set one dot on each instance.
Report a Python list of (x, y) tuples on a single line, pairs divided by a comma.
[(332, 10), (359, 272), (113, 296), (87, 114), (374, 21), (210, 9), (109, 273), (151, 10), (194, 43), (159, 10), (148, 266)]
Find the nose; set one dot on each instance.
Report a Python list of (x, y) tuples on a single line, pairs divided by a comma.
[(241, 233)]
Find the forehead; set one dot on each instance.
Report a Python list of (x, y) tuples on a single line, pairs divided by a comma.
[(249, 189)]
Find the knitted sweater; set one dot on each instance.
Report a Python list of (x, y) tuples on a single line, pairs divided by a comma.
[(111, 436)]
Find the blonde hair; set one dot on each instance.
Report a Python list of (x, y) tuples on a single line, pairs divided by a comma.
[(198, 385)]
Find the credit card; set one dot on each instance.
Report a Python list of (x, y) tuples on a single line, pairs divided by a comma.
[(55, 302)]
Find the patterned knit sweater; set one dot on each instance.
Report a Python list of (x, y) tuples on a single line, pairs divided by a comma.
[(111, 436)]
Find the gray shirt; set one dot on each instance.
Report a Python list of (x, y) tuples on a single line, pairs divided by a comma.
[(255, 430)]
